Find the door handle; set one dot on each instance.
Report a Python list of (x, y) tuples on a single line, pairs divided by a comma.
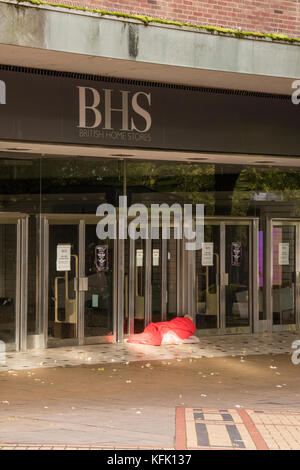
[(83, 284)]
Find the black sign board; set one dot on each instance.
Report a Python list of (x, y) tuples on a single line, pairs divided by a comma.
[(61, 109)]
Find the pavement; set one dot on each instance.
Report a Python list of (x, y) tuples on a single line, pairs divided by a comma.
[(155, 402), (209, 347)]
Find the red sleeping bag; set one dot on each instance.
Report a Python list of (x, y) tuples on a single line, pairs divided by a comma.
[(153, 334)]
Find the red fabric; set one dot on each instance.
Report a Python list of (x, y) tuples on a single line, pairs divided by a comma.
[(154, 332)]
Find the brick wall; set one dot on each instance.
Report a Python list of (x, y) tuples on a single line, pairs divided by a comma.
[(277, 16)]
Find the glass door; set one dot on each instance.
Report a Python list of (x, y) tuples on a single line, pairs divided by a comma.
[(172, 261), (224, 277), (13, 281), (81, 281), (236, 278), (207, 280), (285, 264), (150, 282), (98, 290), (63, 311)]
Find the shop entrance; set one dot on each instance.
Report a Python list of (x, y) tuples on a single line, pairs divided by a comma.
[(283, 274), (217, 284), (102, 291), (152, 277), (226, 277), (13, 280), (80, 281)]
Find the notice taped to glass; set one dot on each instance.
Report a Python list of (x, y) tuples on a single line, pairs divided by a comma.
[(63, 257)]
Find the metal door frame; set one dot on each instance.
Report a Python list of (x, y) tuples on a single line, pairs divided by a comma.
[(186, 275), (190, 285), (270, 222), (79, 220), (148, 281), (20, 220)]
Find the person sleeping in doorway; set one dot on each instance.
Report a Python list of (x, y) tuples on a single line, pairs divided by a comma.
[(176, 331)]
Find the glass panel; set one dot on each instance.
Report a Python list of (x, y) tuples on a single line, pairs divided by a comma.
[(171, 277), (8, 257), (262, 313), (63, 305), (79, 185), (156, 280), (98, 305), (237, 268), (283, 288), (207, 280), (139, 298), (33, 322), (126, 285)]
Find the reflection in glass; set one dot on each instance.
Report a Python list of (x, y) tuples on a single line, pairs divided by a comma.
[(207, 280), (8, 250), (171, 277), (156, 280), (139, 299), (237, 269), (98, 305), (63, 301), (283, 288)]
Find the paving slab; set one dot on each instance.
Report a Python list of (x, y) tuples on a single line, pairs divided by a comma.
[(209, 347)]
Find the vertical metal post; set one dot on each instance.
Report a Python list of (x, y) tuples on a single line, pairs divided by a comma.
[(268, 273), (2, 260), (164, 275), (124, 178), (255, 275), (120, 290), (297, 276), (250, 273), (222, 312), (115, 289), (179, 286), (24, 283), (18, 286), (148, 289), (44, 273), (131, 286), (184, 278), (191, 283), (81, 294)]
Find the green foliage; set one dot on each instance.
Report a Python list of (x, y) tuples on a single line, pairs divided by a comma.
[(266, 180)]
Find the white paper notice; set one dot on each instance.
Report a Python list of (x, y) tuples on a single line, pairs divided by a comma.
[(63, 258), (207, 254), (139, 257), (155, 257), (283, 253)]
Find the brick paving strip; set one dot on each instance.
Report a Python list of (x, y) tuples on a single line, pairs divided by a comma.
[(212, 429), (236, 429)]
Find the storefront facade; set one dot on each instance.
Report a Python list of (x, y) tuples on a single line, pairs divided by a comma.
[(70, 143)]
